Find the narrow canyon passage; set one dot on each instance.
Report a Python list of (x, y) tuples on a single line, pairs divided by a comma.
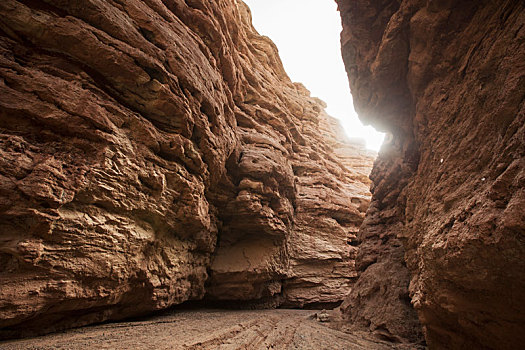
[(155, 152), (207, 330)]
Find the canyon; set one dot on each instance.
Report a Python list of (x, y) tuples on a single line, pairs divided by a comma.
[(155, 152)]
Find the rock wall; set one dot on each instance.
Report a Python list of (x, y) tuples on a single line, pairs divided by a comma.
[(154, 152), (446, 223), (308, 259), (321, 245)]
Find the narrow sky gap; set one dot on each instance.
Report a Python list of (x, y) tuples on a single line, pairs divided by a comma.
[(306, 33)]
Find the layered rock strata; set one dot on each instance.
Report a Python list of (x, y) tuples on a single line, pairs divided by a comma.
[(321, 245), (291, 250), (135, 135), (445, 228)]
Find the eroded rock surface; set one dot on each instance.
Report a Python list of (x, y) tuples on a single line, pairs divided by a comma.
[(446, 79), (330, 206), (135, 135), (209, 330)]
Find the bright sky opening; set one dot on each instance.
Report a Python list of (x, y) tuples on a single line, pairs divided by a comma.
[(307, 33)]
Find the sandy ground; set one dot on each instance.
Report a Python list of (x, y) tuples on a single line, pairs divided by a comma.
[(207, 329)]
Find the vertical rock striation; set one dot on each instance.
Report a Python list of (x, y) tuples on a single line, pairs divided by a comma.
[(290, 209), (447, 80), (330, 206), (155, 151)]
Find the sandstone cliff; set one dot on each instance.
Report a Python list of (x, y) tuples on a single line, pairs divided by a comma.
[(446, 224), (154, 152)]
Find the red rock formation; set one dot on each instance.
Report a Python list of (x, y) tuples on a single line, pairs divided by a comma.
[(303, 258), (135, 133), (330, 206), (447, 80)]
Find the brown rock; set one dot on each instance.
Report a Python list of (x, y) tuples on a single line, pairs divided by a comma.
[(447, 80), (133, 136), (284, 239), (330, 207), (323, 316)]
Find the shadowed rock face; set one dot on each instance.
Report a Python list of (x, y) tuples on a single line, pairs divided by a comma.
[(154, 152), (447, 80)]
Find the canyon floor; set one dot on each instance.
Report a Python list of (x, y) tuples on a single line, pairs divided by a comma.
[(209, 329)]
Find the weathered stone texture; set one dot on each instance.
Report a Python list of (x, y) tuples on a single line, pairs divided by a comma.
[(134, 135), (447, 80)]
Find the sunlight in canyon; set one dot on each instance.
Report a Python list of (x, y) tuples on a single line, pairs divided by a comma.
[(306, 33)]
